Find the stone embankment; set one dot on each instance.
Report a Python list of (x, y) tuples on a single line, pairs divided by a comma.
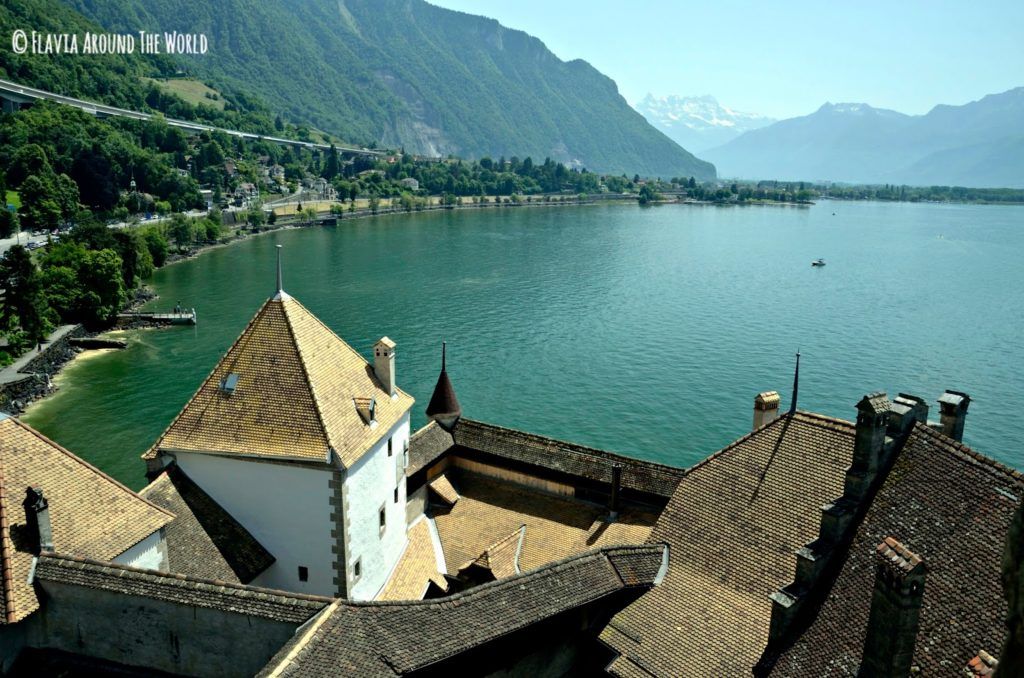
[(21, 384)]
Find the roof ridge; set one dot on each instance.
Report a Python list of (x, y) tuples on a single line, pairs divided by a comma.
[(803, 416), (83, 462), (586, 449), (536, 573), (305, 373), (966, 452), (6, 576), (180, 579), (151, 453)]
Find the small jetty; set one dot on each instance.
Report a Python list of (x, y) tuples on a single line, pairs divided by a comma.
[(183, 317)]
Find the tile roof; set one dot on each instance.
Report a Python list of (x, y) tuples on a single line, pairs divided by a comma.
[(556, 527), (385, 639), (501, 557), (442, 487), (983, 664), (91, 514), (953, 507), (547, 453), (204, 540), (733, 525), (294, 398), (417, 567), (427, 445), (181, 589)]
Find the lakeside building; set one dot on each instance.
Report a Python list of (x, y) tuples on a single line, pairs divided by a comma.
[(295, 525)]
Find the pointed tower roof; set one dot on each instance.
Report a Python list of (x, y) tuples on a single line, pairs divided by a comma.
[(287, 389), (444, 406)]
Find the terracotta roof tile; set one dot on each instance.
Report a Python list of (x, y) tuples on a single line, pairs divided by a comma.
[(732, 525), (296, 381), (442, 487), (556, 527), (955, 507), (385, 639), (417, 567), (91, 514)]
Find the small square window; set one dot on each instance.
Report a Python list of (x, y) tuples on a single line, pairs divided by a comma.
[(303, 573), (390, 447)]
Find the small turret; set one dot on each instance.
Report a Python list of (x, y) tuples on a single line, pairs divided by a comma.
[(444, 406)]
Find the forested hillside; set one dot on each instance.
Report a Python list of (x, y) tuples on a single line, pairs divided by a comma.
[(403, 73)]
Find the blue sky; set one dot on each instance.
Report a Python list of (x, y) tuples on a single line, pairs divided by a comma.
[(784, 59)]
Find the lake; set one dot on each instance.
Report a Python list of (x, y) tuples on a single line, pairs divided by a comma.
[(646, 331)]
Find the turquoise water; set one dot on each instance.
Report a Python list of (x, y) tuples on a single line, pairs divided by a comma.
[(644, 331)]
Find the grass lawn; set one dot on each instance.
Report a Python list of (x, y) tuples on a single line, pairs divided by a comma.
[(192, 91), (12, 199)]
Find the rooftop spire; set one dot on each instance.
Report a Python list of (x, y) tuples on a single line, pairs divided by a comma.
[(444, 406), (796, 383), (281, 294)]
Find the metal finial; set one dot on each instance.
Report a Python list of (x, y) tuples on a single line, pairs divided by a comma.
[(280, 287), (796, 383), (444, 351)]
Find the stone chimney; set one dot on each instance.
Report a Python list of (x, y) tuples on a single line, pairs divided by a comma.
[(766, 408), (869, 444), (952, 412), (384, 364), (895, 612), (613, 503), (37, 521)]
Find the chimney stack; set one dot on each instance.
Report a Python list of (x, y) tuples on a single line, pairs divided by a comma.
[(37, 520), (384, 364), (613, 505), (868, 445), (895, 612), (952, 412), (766, 408)]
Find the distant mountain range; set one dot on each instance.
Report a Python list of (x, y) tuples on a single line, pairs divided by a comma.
[(979, 144), (698, 123), (404, 73)]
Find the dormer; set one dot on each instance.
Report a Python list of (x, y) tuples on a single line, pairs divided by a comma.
[(367, 409)]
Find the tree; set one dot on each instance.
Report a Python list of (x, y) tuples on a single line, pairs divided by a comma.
[(9, 223), (332, 168), (156, 243), (180, 230), (374, 204), (23, 304), (278, 124), (647, 195), (136, 261), (40, 209), (309, 214), (29, 160)]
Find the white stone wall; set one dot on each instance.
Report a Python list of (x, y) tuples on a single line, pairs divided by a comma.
[(369, 485), (149, 554), (286, 507)]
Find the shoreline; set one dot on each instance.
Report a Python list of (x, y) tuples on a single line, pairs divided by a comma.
[(45, 385)]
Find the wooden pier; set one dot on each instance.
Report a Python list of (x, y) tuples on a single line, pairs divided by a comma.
[(188, 317)]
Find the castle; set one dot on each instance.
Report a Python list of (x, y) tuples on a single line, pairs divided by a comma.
[(294, 525)]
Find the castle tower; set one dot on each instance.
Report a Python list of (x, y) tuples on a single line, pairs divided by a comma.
[(278, 435)]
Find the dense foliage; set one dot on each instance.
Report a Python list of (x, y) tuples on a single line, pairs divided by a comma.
[(404, 73)]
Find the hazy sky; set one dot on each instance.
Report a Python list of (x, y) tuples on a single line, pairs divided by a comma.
[(784, 58)]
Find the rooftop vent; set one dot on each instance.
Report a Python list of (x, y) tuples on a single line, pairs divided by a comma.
[(229, 383)]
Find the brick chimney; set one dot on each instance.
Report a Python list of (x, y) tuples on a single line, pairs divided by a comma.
[(895, 612), (37, 520), (766, 408), (952, 412), (384, 364)]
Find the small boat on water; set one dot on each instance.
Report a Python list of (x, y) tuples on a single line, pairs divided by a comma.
[(818, 262)]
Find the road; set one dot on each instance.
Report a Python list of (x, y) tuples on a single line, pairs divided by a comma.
[(20, 93)]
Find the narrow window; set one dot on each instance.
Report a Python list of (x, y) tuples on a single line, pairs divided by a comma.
[(382, 514), (303, 573), (357, 569), (396, 495), (390, 448)]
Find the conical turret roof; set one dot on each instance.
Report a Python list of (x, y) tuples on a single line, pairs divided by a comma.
[(443, 406)]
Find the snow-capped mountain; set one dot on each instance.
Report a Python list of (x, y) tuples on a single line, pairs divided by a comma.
[(698, 123)]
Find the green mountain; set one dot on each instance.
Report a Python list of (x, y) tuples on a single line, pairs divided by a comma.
[(403, 73)]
